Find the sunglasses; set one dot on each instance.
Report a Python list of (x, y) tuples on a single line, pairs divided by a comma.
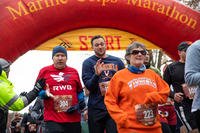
[(135, 52)]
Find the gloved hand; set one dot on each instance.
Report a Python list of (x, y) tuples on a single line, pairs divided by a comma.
[(40, 84), (80, 106), (31, 95), (23, 93), (72, 109)]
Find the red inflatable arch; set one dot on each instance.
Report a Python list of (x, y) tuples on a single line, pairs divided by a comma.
[(25, 24)]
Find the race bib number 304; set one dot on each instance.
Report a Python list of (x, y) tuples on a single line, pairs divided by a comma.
[(146, 113), (62, 103)]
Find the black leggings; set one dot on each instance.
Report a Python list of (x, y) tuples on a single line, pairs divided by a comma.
[(54, 127), (99, 124), (3, 121), (165, 128), (197, 118)]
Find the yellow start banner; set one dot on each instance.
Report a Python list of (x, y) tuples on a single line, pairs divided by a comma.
[(80, 39)]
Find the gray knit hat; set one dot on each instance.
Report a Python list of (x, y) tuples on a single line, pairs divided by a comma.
[(5, 65), (59, 49)]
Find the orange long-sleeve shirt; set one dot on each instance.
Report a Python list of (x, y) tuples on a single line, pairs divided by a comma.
[(126, 90)]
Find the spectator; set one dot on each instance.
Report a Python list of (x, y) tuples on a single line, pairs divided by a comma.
[(192, 77), (84, 114), (147, 63), (37, 114), (174, 76), (16, 123), (28, 124)]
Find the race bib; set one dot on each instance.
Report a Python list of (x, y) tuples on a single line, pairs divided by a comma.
[(103, 87), (189, 91), (32, 128), (146, 113), (62, 103)]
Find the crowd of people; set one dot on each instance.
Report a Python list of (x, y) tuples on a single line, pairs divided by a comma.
[(114, 97)]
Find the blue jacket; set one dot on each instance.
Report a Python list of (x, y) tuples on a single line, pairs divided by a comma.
[(91, 80), (192, 72)]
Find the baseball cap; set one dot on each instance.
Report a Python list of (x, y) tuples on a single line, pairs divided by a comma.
[(184, 45)]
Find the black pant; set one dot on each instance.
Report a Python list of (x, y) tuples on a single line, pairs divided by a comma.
[(3, 120), (99, 122), (54, 127), (165, 128), (185, 117), (197, 118)]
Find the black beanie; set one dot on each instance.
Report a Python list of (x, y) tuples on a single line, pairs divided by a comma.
[(59, 49), (183, 46)]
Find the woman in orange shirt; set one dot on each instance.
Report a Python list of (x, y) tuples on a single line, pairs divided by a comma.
[(134, 93)]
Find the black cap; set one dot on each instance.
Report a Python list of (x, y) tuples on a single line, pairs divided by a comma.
[(183, 46)]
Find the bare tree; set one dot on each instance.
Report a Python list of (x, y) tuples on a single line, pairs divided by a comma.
[(195, 4)]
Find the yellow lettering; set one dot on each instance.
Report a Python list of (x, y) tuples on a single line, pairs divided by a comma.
[(140, 3), (161, 9), (21, 10), (39, 4), (192, 23), (46, 3), (133, 2), (104, 2), (173, 12), (114, 1), (168, 9), (147, 4), (57, 2), (154, 5), (63, 1), (32, 7), (183, 18), (81, 0), (51, 3)]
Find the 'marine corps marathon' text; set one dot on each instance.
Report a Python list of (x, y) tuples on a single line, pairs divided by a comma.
[(33, 6), (170, 11)]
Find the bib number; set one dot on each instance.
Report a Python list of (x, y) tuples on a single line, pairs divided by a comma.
[(62, 103), (146, 114)]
